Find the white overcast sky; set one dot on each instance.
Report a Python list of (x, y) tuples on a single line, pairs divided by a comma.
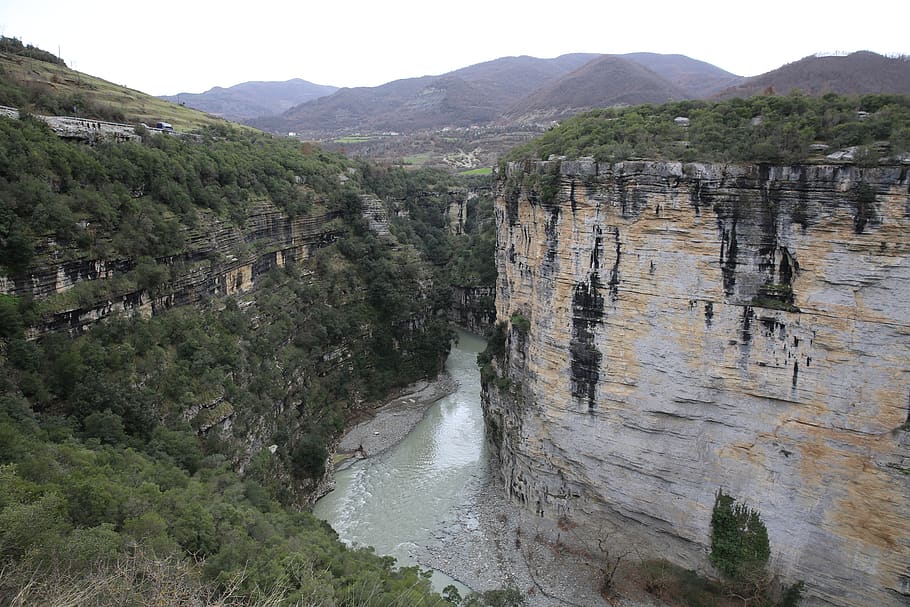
[(172, 46)]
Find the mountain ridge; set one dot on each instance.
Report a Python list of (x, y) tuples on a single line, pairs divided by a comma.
[(608, 80), (858, 73), (474, 93), (501, 92), (248, 100)]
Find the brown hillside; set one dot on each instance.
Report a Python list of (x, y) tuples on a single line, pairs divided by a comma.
[(606, 81), (471, 95), (859, 73), (698, 78)]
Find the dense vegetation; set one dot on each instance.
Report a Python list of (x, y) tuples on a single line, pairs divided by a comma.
[(120, 448), (87, 512), (462, 258), (760, 129), (136, 199)]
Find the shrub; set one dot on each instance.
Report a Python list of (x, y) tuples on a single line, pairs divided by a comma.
[(739, 538), (181, 447), (308, 457), (105, 426), (521, 323)]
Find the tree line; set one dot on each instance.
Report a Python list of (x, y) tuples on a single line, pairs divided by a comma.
[(769, 128)]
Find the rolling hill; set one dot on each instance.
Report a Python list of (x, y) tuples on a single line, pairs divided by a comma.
[(859, 73), (47, 87), (475, 94), (250, 100), (698, 79), (606, 81)]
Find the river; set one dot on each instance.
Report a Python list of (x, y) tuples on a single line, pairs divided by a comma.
[(397, 500)]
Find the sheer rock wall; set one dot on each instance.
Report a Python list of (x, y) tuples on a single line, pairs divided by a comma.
[(674, 329), (219, 259)]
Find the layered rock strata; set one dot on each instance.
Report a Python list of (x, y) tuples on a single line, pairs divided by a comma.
[(472, 308), (676, 329), (218, 259)]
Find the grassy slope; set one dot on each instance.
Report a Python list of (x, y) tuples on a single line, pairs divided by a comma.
[(58, 81)]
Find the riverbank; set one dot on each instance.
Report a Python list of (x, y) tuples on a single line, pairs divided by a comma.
[(392, 421), (489, 542), (435, 500)]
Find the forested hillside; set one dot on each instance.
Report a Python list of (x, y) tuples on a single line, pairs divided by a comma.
[(158, 455), (769, 128)]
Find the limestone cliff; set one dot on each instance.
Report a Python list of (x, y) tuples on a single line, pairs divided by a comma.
[(219, 259), (472, 308), (679, 328)]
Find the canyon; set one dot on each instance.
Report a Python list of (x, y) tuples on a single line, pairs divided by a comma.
[(671, 330)]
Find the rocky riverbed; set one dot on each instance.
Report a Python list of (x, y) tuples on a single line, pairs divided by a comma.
[(388, 424), (486, 542), (490, 542)]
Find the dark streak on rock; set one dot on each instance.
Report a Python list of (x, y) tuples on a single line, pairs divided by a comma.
[(551, 232), (695, 197), (728, 261), (587, 313), (598, 246), (614, 272), (512, 196), (748, 315)]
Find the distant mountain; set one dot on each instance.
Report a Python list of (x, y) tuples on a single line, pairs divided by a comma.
[(472, 95), (858, 73), (607, 80), (698, 78), (249, 100)]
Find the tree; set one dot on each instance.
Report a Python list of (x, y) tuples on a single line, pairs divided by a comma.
[(739, 538), (308, 457)]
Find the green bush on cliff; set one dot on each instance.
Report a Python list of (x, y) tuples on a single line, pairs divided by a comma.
[(740, 550), (521, 323), (739, 538)]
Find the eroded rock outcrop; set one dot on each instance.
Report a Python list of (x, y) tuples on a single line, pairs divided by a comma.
[(219, 259), (472, 308), (679, 328)]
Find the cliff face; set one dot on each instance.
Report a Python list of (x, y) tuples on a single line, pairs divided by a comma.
[(219, 259), (679, 328), (472, 308)]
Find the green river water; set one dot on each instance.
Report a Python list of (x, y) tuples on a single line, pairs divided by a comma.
[(396, 500)]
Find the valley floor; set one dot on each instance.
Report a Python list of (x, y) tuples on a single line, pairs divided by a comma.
[(488, 542), (492, 543), (388, 424)]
